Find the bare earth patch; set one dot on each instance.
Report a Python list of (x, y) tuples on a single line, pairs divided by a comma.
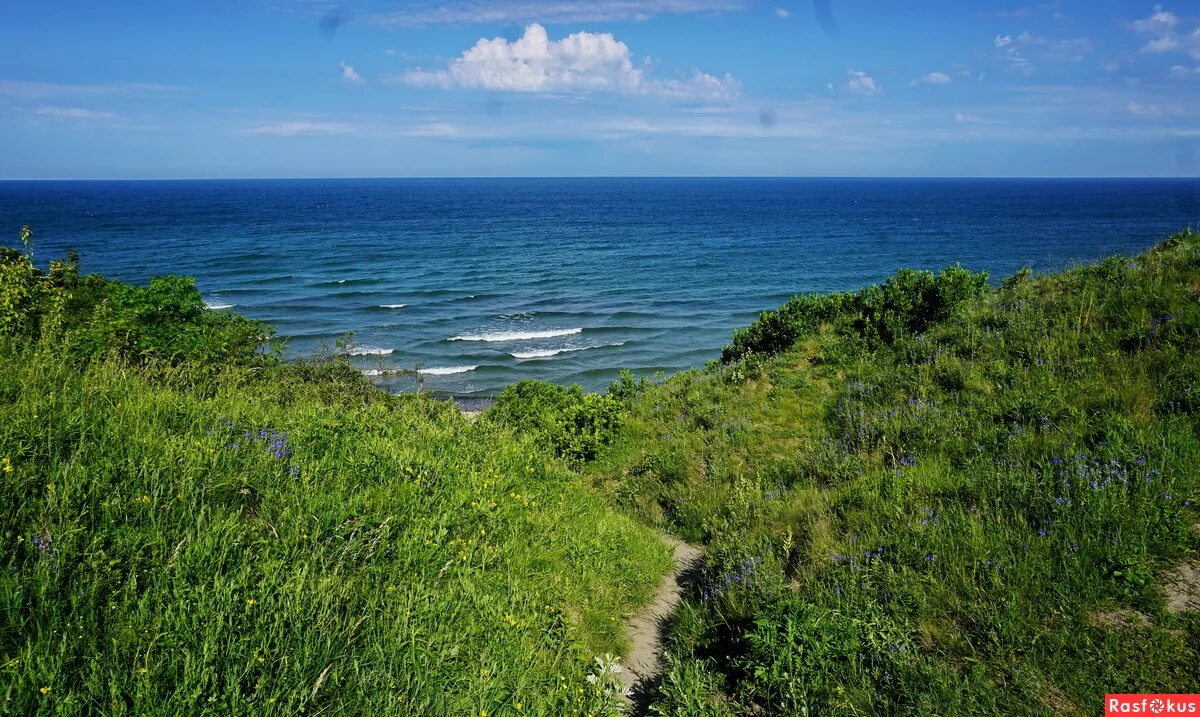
[(1182, 587), (644, 630), (1118, 618)]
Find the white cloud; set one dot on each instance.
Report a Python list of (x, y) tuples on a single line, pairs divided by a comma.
[(782, 13), (1181, 72), (43, 90), (1016, 51), (962, 118), (75, 113), (580, 62), (1143, 110), (1162, 27), (1161, 21), (932, 78), (1159, 45), (470, 12), (860, 83), (292, 129), (350, 76)]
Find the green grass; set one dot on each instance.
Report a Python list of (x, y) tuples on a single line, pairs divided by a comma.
[(240, 536), (928, 497), (949, 521)]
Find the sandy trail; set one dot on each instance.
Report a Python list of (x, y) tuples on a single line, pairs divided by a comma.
[(644, 630)]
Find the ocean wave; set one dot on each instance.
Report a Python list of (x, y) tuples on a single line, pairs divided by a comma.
[(392, 306), (445, 370), (369, 351), (518, 335), (547, 353), (216, 306)]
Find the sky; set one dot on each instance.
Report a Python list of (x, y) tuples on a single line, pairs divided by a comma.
[(372, 88)]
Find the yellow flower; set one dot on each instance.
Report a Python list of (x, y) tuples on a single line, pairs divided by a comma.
[(251, 602), (44, 690), (142, 670), (6, 465)]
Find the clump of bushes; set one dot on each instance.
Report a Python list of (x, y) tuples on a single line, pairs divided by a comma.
[(89, 316), (573, 424), (907, 303)]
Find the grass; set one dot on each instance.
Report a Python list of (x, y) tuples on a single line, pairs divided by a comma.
[(958, 519), (250, 537), (929, 497)]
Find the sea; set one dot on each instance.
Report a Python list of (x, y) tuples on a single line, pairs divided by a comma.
[(468, 285)]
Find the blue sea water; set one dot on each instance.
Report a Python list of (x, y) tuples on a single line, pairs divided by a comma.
[(482, 282)]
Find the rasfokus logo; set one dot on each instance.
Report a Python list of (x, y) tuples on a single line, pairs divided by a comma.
[(1151, 705)]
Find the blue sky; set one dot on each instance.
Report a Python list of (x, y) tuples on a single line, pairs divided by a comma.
[(365, 88)]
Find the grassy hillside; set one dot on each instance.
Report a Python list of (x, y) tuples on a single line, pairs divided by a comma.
[(190, 526), (933, 497)]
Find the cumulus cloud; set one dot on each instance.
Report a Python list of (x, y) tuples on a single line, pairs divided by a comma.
[(1163, 37), (350, 76), (1161, 21), (75, 113), (292, 129), (472, 12), (860, 83), (580, 62), (932, 78)]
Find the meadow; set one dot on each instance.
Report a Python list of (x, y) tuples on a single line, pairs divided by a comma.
[(935, 496), (193, 527), (938, 495)]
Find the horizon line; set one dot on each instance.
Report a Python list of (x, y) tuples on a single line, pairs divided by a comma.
[(594, 176)]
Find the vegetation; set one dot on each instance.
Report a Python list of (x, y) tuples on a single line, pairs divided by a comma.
[(190, 525), (931, 496)]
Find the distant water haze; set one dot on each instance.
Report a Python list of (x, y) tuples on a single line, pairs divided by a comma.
[(480, 283)]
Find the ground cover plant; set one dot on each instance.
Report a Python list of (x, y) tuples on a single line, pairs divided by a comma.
[(191, 526), (936, 497)]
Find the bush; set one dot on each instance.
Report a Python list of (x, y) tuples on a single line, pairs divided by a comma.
[(573, 424), (908, 302), (89, 316)]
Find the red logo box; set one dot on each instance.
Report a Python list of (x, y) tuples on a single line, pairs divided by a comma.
[(1115, 705)]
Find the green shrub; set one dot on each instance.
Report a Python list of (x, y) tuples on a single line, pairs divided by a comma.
[(908, 302), (573, 424)]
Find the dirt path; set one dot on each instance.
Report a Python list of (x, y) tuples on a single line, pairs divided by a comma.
[(644, 630)]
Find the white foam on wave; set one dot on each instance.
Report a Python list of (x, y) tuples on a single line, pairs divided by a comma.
[(518, 335), (547, 353), (446, 370), (217, 306), (369, 351), (373, 372), (392, 306)]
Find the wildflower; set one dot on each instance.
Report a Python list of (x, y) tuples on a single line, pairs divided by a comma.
[(1041, 532), (6, 465), (930, 558), (142, 670), (251, 602), (44, 690)]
